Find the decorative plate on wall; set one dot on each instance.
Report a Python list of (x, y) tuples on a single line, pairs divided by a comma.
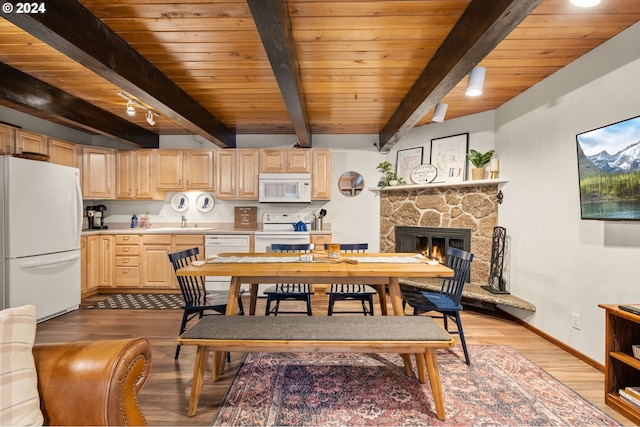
[(205, 202), (424, 174), (180, 202)]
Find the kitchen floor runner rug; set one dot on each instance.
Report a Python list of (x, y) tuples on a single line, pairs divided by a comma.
[(141, 302), (500, 387)]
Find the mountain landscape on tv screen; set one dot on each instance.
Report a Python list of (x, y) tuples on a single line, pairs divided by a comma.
[(627, 160)]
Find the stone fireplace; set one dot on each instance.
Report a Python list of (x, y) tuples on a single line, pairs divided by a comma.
[(464, 206)]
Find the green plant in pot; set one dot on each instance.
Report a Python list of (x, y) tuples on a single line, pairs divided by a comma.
[(390, 177), (479, 160)]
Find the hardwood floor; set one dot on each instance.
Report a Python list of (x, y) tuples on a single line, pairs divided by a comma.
[(164, 399)]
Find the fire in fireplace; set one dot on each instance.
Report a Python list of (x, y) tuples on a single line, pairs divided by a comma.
[(432, 242)]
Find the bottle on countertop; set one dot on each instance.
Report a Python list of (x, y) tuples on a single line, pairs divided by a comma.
[(134, 221)]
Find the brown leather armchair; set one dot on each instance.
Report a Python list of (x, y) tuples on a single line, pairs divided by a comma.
[(92, 383)]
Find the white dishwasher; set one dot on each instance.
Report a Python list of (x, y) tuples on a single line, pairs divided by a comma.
[(215, 244)]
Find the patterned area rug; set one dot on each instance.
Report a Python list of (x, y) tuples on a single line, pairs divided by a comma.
[(141, 302), (501, 387)]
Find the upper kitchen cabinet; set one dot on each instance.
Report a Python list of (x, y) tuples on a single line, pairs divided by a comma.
[(185, 170), (7, 139), (136, 174), (321, 174), (63, 152), (285, 161), (237, 174), (98, 173), (31, 142)]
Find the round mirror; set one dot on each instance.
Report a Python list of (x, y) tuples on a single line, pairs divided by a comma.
[(351, 184)]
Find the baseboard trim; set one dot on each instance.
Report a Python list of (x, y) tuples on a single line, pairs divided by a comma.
[(586, 359)]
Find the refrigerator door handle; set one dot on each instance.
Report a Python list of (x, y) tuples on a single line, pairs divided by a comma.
[(79, 210), (48, 263)]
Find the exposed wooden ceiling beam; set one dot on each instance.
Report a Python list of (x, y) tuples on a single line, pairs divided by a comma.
[(73, 30), (481, 27), (25, 91), (274, 25)]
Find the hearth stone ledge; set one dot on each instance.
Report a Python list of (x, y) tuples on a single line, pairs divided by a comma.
[(472, 292)]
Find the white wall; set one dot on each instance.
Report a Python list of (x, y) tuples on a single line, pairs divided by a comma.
[(559, 262)]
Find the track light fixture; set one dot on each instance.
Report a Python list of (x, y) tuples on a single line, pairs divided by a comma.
[(439, 112), (476, 81), (131, 109), (150, 119), (585, 3)]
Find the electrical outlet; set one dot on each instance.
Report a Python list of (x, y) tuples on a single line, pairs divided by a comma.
[(576, 321)]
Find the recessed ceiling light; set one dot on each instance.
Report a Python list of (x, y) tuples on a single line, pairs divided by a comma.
[(585, 3)]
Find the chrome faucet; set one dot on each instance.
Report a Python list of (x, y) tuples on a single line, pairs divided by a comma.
[(183, 222)]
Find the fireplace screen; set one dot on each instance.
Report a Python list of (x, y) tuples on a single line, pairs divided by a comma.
[(432, 242)]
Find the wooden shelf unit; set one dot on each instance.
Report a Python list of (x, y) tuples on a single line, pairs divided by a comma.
[(622, 330)]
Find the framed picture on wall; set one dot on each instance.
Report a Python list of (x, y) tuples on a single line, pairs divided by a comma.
[(407, 160), (449, 156)]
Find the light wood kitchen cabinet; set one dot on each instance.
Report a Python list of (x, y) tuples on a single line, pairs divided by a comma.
[(321, 174), (83, 265), (98, 173), (182, 242), (237, 174), (185, 170), (156, 270), (105, 278), (135, 178), (7, 139), (92, 263), (320, 240), (31, 142), (63, 152), (285, 161), (127, 261)]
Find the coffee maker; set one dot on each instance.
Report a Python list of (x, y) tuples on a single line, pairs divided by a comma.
[(98, 221), (95, 217)]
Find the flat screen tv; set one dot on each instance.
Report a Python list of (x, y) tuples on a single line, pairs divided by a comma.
[(609, 171)]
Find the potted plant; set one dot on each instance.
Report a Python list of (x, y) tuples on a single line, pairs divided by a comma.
[(389, 178), (479, 160)]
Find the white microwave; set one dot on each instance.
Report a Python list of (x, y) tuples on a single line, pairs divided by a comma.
[(284, 187)]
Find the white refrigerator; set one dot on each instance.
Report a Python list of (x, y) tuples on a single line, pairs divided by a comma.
[(41, 223)]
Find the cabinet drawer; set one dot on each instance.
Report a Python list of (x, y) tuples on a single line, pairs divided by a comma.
[(127, 239), (127, 261), (156, 239), (188, 239), (127, 276), (127, 250)]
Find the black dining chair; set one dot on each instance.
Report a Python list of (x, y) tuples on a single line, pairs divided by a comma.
[(447, 301), (291, 291), (197, 300), (351, 292)]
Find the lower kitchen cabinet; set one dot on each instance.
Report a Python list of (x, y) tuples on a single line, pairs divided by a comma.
[(320, 240), (127, 261), (92, 263), (156, 270), (182, 242), (105, 243)]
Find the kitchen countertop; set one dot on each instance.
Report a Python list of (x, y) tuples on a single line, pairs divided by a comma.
[(181, 230)]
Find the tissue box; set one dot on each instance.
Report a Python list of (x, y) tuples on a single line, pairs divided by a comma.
[(636, 351)]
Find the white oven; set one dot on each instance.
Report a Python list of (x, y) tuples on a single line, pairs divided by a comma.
[(278, 228), (218, 243)]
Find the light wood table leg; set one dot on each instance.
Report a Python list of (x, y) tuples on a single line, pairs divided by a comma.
[(396, 303), (253, 292), (434, 379), (382, 294), (202, 354), (422, 364)]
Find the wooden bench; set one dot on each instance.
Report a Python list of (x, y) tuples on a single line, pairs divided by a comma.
[(418, 335)]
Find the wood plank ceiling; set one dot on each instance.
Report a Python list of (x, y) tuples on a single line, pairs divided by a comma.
[(223, 68)]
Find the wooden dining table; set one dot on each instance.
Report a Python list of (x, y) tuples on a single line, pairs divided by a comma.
[(376, 269)]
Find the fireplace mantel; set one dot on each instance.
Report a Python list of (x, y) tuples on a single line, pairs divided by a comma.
[(468, 183)]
